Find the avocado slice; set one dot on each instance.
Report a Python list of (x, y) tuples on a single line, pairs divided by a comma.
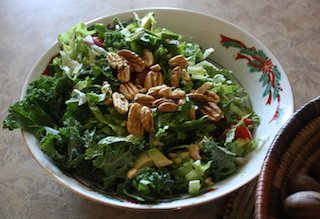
[(144, 160), (150, 158), (158, 158)]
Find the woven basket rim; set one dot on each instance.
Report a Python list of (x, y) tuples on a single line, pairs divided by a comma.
[(299, 120)]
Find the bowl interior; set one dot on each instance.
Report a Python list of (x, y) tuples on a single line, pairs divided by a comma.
[(254, 67)]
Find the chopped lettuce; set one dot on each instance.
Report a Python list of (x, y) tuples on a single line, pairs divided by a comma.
[(234, 99), (193, 170), (194, 187)]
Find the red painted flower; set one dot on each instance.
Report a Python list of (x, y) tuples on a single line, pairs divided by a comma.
[(266, 66)]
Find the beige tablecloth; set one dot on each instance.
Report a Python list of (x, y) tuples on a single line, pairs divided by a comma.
[(289, 28)]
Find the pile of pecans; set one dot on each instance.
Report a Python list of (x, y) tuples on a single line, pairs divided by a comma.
[(137, 99)]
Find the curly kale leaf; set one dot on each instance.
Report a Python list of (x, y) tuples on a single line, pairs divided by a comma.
[(101, 71), (113, 40), (43, 105), (67, 145), (151, 183)]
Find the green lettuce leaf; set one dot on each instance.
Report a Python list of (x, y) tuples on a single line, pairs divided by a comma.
[(193, 170)]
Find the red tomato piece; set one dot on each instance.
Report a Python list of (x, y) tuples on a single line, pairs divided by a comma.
[(247, 121), (243, 132)]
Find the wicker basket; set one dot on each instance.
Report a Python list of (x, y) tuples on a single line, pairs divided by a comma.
[(295, 149)]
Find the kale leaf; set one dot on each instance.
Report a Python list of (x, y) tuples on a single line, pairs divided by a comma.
[(67, 145), (43, 105), (151, 183), (223, 162), (115, 156)]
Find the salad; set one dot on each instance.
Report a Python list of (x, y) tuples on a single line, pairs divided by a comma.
[(138, 111)]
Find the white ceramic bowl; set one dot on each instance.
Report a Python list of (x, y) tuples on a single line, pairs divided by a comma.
[(235, 49)]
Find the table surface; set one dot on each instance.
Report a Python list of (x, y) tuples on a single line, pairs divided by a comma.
[(289, 28)]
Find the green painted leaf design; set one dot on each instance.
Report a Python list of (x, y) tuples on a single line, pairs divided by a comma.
[(256, 63), (262, 55), (277, 73), (264, 79), (267, 90), (248, 51), (275, 93), (252, 69), (231, 44)]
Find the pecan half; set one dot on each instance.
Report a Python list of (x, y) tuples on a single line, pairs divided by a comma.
[(213, 111), (204, 88), (155, 67), (167, 107), (124, 74), (146, 119), (159, 101), (178, 60), (164, 92), (129, 90), (134, 123), (153, 91), (177, 94), (141, 89), (153, 79), (120, 102), (134, 60), (144, 99), (198, 97), (114, 60), (215, 107), (213, 97), (148, 58), (175, 76)]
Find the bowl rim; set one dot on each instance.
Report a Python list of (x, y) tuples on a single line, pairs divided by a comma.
[(146, 207)]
